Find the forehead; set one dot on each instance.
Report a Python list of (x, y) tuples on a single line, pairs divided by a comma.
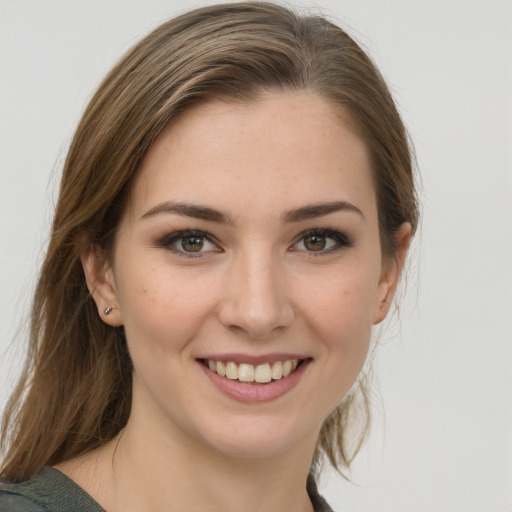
[(278, 150)]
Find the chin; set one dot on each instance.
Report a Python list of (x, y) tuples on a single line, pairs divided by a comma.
[(262, 437)]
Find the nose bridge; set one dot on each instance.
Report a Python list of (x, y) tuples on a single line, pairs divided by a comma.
[(255, 296)]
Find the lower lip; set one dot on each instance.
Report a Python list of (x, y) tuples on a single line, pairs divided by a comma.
[(256, 393)]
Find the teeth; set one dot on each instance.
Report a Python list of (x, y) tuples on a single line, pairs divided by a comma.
[(246, 373), (277, 370), (261, 373), (287, 368), (221, 368), (231, 371)]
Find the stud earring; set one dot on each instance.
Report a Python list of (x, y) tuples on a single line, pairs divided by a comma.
[(107, 311)]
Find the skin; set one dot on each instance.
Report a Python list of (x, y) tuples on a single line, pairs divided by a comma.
[(255, 288)]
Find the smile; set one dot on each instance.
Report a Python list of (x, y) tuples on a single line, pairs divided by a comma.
[(249, 373), (255, 383)]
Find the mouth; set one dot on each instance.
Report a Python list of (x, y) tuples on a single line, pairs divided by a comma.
[(259, 374), (253, 380)]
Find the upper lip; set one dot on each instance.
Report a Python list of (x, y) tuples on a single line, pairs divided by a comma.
[(254, 360)]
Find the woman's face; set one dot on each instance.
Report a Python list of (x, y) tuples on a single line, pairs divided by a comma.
[(249, 245)]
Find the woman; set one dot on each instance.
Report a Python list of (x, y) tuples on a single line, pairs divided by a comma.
[(234, 214)]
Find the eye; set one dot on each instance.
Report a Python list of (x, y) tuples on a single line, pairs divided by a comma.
[(189, 243), (321, 241)]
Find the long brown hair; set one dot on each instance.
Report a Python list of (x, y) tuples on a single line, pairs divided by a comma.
[(75, 391)]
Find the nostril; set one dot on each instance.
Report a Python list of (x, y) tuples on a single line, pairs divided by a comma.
[(255, 304)]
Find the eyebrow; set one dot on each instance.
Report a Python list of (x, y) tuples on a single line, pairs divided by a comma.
[(190, 210), (212, 215), (319, 210)]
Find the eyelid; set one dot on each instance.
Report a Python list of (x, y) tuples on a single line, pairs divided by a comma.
[(168, 241), (342, 241)]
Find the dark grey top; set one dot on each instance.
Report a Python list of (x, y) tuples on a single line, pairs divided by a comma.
[(47, 491), (52, 491)]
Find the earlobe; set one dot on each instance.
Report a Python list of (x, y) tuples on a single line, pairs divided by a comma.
[(391, 270), (99, 277)]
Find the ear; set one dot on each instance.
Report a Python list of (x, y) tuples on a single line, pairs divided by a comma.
[(391, 268), (99, 277)]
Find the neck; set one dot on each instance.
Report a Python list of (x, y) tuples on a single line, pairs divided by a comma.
[(189, 474), (155, 465)]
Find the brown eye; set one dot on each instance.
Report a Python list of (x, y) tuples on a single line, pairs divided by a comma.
[(315, 242), (321, 241), (189, 243), (192, 243)]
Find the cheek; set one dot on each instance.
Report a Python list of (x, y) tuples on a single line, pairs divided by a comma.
[(345, 298), (160, 308), (340, 318)]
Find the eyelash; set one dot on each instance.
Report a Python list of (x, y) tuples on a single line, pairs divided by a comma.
[(341, 241), (168, 241)]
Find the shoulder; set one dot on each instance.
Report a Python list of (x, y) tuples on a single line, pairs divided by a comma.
[(47, 491), (19, 498), (320, 505), (318, 501)]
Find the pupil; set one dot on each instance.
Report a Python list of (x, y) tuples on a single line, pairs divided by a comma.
[(192, 244), (315, 243)]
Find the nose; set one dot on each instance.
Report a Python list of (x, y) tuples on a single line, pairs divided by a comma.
[(255, 296)]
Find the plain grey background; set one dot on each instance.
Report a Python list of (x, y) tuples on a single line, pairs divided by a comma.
[(443, 411)]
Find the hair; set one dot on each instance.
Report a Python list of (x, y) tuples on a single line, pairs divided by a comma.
[(74, 394)]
